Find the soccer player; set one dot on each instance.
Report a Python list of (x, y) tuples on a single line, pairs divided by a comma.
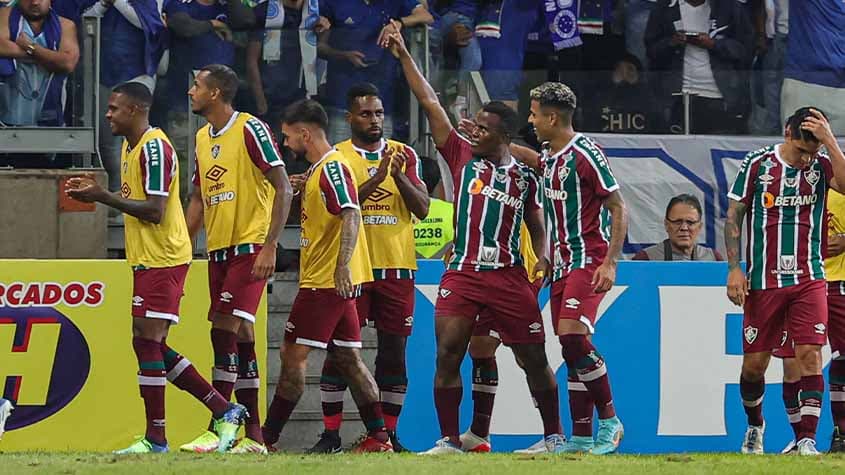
[(493, 195), (390, 190), (579, 187), (242, 193), (781, 191), (333, 265), (834, 266), (159, 251)]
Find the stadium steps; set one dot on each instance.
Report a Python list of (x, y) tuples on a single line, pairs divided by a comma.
[(306, 423)]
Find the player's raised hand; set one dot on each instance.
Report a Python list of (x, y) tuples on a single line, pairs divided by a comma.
[(84, 188), (604, 277), (818, 125), (297, 182), (393, 27), (343, 281), (265, 263), (396, 44), (737, 286), (397, 162)]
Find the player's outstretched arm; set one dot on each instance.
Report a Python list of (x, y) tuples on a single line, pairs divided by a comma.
[(348, 238), (194, 213), (265, 262), (86, 189), (526, 155), (737, 282), (441, 127), (605, 275)]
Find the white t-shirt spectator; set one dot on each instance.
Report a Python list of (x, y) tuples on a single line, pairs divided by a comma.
[(698, 75)]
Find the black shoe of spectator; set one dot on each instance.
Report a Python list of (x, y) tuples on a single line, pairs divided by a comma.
[(837, 445), (394, 440), (329, 443)]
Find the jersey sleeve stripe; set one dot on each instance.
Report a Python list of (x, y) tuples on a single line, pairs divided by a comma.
[(413, 169), (340, 185), (739, 190), (265, 150), (606, 179), (155, 168)]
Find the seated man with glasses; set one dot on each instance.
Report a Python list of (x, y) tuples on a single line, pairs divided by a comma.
[(683, 223)]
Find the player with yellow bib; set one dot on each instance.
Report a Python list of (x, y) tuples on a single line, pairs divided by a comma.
[(333, 264), (834, 266), (242, 195), (392, 194), (159, 251)]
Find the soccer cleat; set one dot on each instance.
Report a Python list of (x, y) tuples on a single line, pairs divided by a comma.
[(6, 409), (790, 448), (753, 442), (248, 446), (371, 444), (394, 441), (143, 446), (207, 442), (539, 447), (228, 424), (554, 443), (609, 436), (443, 446), (579, 444), (329, 443), (807, 446), (837, 445), (473, 443)]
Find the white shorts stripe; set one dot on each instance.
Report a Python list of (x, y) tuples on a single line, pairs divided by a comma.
[(177, 370), (332, 396), (312, 343), (251, 383), (588, 324), (151, 381), (347, 344), (577, 386), (484, 388), (245, 315), (162, 316), (836, 355), (396, 399), (594, 374), (218, 374)]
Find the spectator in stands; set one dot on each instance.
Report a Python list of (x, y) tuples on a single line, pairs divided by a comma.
[(502, 32), (814, 70), (702, 48), (133, 44), (636, 20), (683, 223), (354, 56), (38, 49), (625, 104), (771, 27), (455, 47)]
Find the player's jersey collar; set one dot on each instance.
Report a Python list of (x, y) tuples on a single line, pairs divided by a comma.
[(363, 153), (226, 128), (567, 147)]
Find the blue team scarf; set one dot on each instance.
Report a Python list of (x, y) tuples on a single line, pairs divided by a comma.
[(155, 33), (562, 19), (52, 30), (489, 23)]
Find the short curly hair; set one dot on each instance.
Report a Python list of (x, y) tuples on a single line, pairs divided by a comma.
[(555, 94)]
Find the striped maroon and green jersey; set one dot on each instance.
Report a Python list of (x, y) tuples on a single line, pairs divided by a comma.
[(490, 201), (785, 218), (576, 180)]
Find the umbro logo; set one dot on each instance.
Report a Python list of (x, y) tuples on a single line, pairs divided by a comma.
[(820, 328), (445, 293), (289, 326), (125, 191), (215, 173), (380, 194), (572, 303), (226, 297), (137, 301), (535, 327), (409, 321)]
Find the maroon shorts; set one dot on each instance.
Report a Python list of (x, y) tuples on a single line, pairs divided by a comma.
[(786, 348), (231, 286), (320, 317), (800, 310), (389, 304), (485, 325), (156, 292), (573, 298), (836, 317), (504, 294)]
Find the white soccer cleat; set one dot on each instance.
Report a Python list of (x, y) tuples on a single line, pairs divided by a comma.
[(791, 447), (807, 447), (539, 447), (473, 443), (443, 446), (753, 442), (6, 408)]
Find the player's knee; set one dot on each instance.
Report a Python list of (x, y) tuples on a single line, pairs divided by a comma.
[(754, 366), (532, 357), (809, 359), (483, 347), (345, 359), (571, 327)]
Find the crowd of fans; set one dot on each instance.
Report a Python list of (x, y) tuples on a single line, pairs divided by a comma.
[(638, 66)]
